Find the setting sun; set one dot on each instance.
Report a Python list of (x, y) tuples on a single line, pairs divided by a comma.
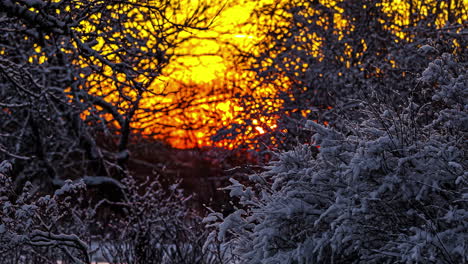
[(205, 67)]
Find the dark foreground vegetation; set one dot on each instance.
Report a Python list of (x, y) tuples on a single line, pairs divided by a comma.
[(371, 137)]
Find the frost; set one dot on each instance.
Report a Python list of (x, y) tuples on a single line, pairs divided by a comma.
[(69, 187), (425, 49), (366, 195), (5, 167)]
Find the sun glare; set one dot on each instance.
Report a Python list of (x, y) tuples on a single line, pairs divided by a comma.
[(205, 66), (205, 62)]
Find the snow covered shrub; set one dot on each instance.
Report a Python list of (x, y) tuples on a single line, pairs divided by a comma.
[(157, 227), (36, 229), (152, 226), (392, 188)]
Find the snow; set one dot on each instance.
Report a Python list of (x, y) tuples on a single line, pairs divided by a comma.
[(366, 194)]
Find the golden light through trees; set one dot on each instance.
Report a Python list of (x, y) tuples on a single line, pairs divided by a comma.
[(199, 87), (205, 68)]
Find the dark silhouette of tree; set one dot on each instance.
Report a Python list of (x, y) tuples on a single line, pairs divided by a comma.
[(320, 56), (79, 78)]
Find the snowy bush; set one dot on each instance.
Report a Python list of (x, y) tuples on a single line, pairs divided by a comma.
[(391, 188), (151, 225), (36, 228), (157, 227)]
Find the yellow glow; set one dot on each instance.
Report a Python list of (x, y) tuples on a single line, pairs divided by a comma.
[(204, 63), (243, 36)]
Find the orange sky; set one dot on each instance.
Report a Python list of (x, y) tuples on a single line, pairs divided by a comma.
[(204, 57), (205, 63)]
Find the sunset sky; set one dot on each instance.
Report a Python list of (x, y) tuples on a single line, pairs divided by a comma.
[(206, 63)]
